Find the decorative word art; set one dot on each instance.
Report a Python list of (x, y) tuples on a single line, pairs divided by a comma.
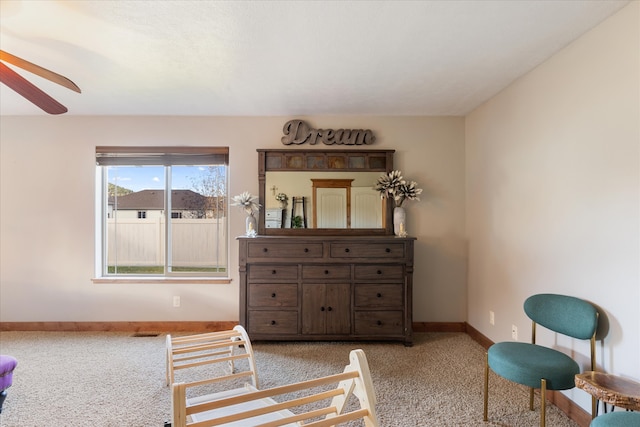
[(299, 132)]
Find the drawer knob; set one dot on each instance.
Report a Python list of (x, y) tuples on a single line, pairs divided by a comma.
[(326, 272), (379, 323), (379, 271), (265, 250), (387, 250), (379, 295), (273, 272), (273, 295), (306, 249), (321, 308), (347, 250), (273, 322), (329, 308)]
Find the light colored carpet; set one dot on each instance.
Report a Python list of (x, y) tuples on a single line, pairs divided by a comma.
[(116, 380)]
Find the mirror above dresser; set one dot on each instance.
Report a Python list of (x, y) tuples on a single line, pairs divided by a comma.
[(328, 192)]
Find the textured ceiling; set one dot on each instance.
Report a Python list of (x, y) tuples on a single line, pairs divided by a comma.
[(265, 58)]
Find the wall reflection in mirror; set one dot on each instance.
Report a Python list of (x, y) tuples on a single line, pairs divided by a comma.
[(323, 200)]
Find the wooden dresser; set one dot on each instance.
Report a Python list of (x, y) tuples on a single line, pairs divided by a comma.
[(274, 218), (326, 287)]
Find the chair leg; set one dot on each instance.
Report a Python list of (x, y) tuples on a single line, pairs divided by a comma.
[(543, 401), (3, 396), (531, 398), (486, 387)]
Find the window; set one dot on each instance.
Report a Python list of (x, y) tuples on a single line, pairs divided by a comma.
[(163, 211)]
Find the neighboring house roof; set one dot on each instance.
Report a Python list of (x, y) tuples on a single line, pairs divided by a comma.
[(154, 200)]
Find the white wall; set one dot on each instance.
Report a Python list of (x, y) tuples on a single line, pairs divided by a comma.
[(553, 193), (47, 174)]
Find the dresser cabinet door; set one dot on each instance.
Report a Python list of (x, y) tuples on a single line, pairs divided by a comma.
[(326, 308)]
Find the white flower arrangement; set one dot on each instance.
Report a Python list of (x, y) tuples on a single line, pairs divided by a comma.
[(393, 185), (282, 198), (247, 202)]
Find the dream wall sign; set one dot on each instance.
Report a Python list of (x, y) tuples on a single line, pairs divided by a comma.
[(299, 132)]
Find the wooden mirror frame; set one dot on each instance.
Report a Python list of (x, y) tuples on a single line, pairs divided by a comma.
[(271, 160)]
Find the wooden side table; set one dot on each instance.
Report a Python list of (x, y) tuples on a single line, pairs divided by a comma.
[(611, 389)]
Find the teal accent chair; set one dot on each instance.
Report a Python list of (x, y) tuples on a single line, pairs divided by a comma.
[(617, 419), (537, 366)]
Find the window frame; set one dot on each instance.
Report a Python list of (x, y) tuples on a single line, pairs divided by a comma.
[(162, 157)]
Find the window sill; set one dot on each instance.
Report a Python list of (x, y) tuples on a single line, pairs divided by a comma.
[(169, 280)]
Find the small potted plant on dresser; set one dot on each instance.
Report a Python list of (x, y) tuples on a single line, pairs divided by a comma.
[(282, 199)]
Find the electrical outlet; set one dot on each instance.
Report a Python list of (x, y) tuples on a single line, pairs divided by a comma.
[(514, 332), (176, 301), (492, 318)]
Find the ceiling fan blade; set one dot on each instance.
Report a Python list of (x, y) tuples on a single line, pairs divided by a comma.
[(18, 83), (36, 69)]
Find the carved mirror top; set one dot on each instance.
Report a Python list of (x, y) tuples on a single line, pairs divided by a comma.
[(327, 160)]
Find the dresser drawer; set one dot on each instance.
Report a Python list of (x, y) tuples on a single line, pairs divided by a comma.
[(273, 322), (376, 296), (273, 214), (326, 272), (378, 272), (378, 323), (273, 272), (284, 250), (367, 250), (270, 295)]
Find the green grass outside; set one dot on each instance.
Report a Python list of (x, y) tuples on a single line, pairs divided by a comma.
[(158, 269)]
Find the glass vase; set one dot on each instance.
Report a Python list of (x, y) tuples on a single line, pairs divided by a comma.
[(251, 229), (399, 221)]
